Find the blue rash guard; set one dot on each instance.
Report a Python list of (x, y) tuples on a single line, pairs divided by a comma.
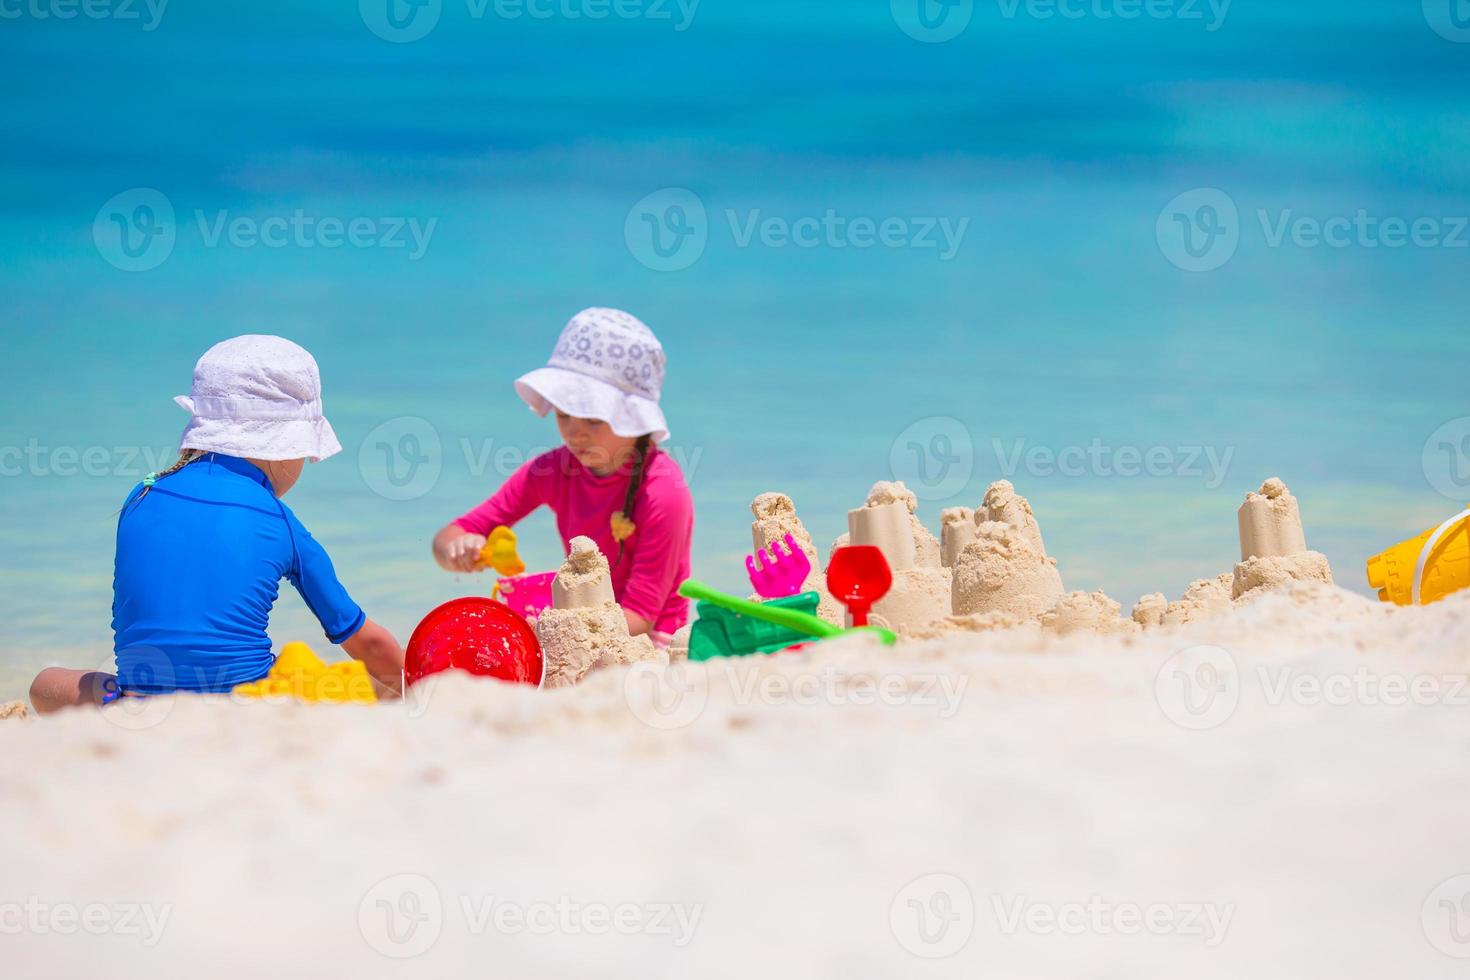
[(199, 564)]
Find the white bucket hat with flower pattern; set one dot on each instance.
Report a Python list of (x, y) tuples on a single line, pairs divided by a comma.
[(607, 365)]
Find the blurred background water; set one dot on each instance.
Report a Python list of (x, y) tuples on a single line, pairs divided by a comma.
[(1130, 318)]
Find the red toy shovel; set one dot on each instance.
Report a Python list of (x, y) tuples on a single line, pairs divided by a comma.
[(858, 576)]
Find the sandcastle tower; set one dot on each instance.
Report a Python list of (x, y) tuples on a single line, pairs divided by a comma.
[(585, 628), (1273, 548), (956, 529), (775, 517), (920, 593), (926, 545), (1005, 569)]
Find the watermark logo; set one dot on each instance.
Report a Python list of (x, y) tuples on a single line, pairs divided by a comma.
[(135, 230), (1446, 917), (934, 457), (667, 231), (1209, 464), (37, 917), (400, 21), (149, 13), (1211, 12), (1198, 688), (933, 916), (932, 21), (401, 916), (1446, 459), (402, 458), (666, 697), (1205, 921), (148, 668), (39, 460), (1450, 19), (1199, 230)]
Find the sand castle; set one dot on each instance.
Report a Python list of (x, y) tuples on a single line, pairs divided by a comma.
[(585, 628), (1273, 552), (775, 517), (926, 545), (1273, 548), (956, 529), (1003, 566), (920, 591), (989, 568)]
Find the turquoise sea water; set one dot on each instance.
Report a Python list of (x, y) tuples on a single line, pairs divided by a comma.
[(799, 163)]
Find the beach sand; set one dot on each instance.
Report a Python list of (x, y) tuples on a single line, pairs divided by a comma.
[(1264, 777), (790, 809)]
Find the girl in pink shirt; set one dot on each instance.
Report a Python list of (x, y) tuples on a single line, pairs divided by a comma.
[(609, 482)]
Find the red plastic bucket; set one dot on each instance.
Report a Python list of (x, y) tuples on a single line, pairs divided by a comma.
[(477, 635)]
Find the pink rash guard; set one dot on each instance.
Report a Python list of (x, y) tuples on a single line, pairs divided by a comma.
[(655, 559)]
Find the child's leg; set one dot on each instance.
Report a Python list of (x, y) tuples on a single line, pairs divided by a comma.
[(62, 687)]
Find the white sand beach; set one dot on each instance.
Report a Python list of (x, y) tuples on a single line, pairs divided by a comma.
[(1270, 784), (790, 808)]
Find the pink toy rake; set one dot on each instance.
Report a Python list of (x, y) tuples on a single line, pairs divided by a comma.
[(780, 573)]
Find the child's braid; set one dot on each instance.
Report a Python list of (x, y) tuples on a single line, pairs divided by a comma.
[(186, 457), (622, 522)]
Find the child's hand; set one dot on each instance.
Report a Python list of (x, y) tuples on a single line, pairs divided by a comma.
[(461, 553)]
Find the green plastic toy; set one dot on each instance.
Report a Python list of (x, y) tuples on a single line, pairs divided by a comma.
[(733, 627)]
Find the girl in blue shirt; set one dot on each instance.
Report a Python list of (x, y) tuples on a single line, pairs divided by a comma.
[(203, 546)]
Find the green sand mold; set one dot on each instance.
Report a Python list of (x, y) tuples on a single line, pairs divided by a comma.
[(732, 627)]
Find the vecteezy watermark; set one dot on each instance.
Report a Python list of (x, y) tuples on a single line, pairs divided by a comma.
[(137, 231), (933, 916), (1362, 687), (1201, 687), (1201, 230), (1211, 12), (1446, 459), (936, 21), (1206, 921), (404, 915), (37, 459), (668, 231), (404, 21), (302, 230), (1450, 19), (37, 917), (932, 21), (1208, 463), (404, 457), (401, 916), (674, 696), (1198, 688), (148, 13), (666, 697), (1445, 917), (934, 457), (401, 459)]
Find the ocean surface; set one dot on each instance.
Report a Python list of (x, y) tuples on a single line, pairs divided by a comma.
[(1133, 257)]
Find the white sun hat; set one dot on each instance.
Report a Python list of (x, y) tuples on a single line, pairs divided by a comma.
[(258, 397), (607, 365)]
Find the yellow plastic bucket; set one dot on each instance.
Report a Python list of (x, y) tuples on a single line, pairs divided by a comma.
[(1424, 569)]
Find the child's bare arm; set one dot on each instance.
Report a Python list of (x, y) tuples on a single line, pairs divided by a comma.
[(380, 654), (637, 625)]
